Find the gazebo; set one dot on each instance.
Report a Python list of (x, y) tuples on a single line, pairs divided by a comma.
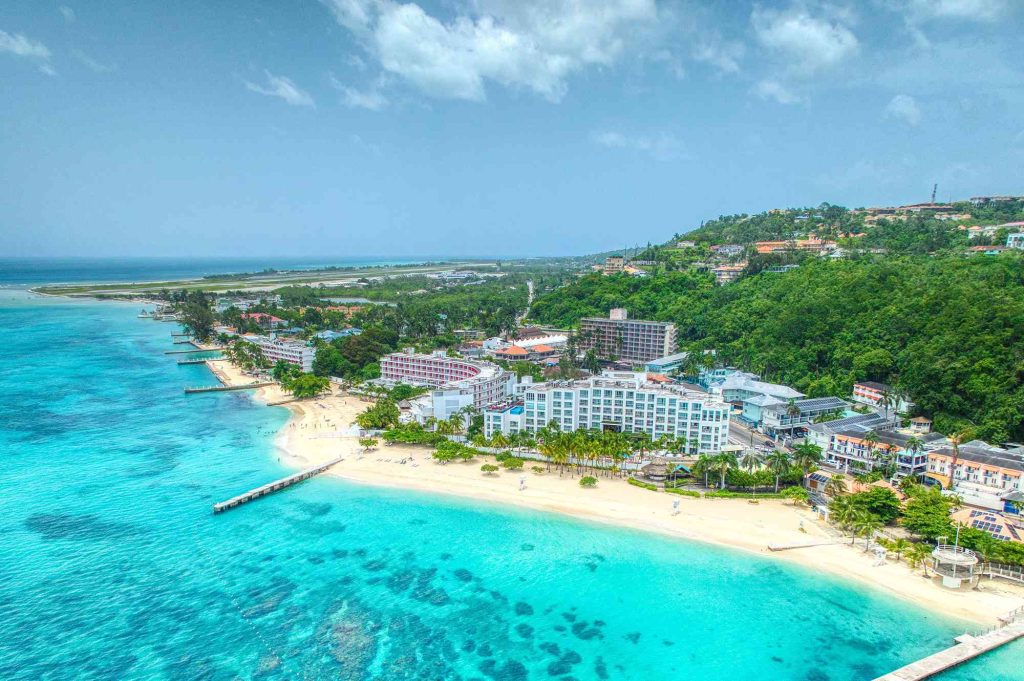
[(955, 565)]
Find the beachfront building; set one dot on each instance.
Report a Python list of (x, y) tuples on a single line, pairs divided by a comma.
[(983, 475), (624, 402), (456, 383), (856, 449), (504, 417), (793, 417), (627, 340), (820, 434), (292, 351), (880, 396)]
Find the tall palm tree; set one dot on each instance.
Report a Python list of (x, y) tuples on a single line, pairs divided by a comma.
[(871, 440), (899, 546), (845, 515), (703, 466), (807, 456), (835, 487), (723, 463), (867, 525), (751, 461), (779, 463), (919, 554)]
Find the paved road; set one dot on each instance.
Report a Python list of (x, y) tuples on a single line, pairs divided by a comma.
[(740, 434)]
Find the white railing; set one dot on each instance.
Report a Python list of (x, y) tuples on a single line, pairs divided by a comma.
[(950, 548)]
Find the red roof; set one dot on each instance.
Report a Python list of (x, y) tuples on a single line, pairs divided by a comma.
[(542, 348), (513, 351), (261, 317)]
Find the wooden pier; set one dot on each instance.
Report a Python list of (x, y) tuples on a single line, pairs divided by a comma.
[(186, 352), (275, 486), (967, 648), (181, 335), (204, 360), (226, 388)]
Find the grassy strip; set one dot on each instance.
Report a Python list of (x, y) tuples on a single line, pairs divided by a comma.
[(727, 494), (683, 492), (645, 485)]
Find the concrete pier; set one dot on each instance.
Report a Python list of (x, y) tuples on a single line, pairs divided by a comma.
[(272, 487), (226, 388), (182, 362), (967, 648), (186, 352)]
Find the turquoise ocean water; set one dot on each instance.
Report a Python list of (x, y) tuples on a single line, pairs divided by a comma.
[(113, 567)]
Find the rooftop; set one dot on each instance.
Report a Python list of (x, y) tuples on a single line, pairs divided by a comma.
[(986, 455), (874, 385)]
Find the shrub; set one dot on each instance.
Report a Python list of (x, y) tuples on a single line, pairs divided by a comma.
[(683, 492), (588, 481), (729, 494), (645, 485)]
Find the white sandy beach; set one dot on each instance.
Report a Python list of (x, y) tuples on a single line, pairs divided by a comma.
[(322, 429)]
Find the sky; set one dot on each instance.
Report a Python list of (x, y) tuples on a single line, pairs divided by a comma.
[(485, 127)]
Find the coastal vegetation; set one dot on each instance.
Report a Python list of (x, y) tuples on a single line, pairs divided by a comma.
[(947, 331)]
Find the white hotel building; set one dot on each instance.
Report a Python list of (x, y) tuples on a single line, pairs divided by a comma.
[(620, 401), (293, 352), (457, 383)]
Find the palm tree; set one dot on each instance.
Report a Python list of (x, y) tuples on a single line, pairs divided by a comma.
[(835, 487), (779, 463), (751, 461), (899, 546), (723, 463), (703, 466), (807, 456), (919, 554), (844, 514), (871, 440), (867, 525)]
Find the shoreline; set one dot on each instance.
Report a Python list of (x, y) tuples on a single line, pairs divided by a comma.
[(321, 429)]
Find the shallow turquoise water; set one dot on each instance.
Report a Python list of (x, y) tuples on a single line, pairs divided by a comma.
[(113, 566)]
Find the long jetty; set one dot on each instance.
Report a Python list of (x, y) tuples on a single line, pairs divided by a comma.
[(967, 648), (186, 352), (226, 388), (203, 360), (275, 486)]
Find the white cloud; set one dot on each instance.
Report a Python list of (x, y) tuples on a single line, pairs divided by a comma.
[(904, 108), (371, 98), (67, 13), (279, 86), (772, 89), (20, 46), (661, 147), (532, 44), (723, 55), (972, 10), (806, 43), (91, 63)]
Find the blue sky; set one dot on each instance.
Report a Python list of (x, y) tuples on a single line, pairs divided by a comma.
[(485, 127)]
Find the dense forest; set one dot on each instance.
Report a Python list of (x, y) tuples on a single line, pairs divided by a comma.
[(913, 234), (948, 330)]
